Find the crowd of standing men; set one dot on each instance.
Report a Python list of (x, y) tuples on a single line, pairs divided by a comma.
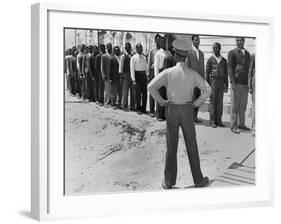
[(103, 75)]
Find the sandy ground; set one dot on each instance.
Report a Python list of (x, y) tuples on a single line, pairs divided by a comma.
[(110, 150)]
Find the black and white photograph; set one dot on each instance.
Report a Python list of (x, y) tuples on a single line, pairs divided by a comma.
[(150, 111)]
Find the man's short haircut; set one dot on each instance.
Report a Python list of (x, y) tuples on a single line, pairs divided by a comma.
[(218, 44), (243, 38), (102, 46), (193, 36), (157, 36)]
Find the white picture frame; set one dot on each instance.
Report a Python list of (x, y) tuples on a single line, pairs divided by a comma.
[(47, 200)]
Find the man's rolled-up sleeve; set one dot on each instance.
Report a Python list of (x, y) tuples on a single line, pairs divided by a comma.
[(156, 84)]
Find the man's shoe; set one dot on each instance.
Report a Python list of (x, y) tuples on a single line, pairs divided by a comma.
[(165, 186), (244, 128), (212, 124), (160, 119), (234, 130), (220, 124), (196, 120), (204, 183), (152, 115)]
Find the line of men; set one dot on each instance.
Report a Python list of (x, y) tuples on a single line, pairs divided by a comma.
[(102, 75)]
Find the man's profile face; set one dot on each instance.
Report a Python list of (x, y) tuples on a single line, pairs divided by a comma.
[(240, 41), (139, 48), (196, 41)]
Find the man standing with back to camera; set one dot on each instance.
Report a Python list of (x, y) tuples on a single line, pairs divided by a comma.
[(180, 82), (238, 69)]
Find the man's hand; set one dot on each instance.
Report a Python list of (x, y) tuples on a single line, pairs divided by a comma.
[(250, 90), (134, 83), (234, 86), (104, 79), (166, 103), (225, 89)]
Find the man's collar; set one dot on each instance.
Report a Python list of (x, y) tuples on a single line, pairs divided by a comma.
[(194, 48)]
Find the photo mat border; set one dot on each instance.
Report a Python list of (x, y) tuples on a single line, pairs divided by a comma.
[(40, 175)]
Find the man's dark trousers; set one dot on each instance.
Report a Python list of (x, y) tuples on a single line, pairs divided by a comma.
[(181, 116), (151, 99), (141, 90), (197, 94), (216, 100)]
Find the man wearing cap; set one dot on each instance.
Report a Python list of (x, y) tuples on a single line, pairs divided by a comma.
[(138, 66), (195, 60), (180, 82)]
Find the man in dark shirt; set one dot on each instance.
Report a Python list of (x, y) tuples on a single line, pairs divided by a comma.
[(195, 61), (105, 63), (114, 76), (92, 79), (238, 69), (252, 90), (150, 72), (216, 76), (81, 70), (99, 81)]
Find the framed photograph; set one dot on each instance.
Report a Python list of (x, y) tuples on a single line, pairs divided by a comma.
[(103, 142)]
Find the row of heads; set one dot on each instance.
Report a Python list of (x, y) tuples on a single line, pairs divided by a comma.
[(177, 46)]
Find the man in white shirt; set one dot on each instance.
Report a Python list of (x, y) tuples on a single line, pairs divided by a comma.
[(180, 82), (138, 67), (124, 70), (159, 59)]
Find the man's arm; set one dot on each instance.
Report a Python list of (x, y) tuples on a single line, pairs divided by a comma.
[(121, 65), (225, 75), (132, 69), (208, 71), (202, 66), (187, 60), (251, 73), (230, 65), (149, 63), (156, 64), (160, 80), (204, 87), (103, 67)]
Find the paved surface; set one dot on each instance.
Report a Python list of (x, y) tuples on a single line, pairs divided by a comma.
[(238, 173)]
